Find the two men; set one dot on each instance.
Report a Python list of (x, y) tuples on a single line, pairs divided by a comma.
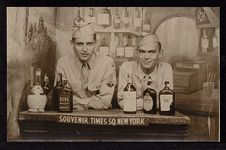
[(92, 76)]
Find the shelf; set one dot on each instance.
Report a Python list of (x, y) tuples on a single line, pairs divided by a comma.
[(128, 31)]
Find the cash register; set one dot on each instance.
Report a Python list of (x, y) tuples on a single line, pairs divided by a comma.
[(189, 75)]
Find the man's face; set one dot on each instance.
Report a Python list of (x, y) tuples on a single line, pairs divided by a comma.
[(84, 47), (148, 55)]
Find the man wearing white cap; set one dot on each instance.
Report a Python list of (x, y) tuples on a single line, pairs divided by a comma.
[(147, 65), (91, 75)]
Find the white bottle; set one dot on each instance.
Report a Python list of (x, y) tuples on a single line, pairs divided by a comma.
[(215, 40), (204, 42)]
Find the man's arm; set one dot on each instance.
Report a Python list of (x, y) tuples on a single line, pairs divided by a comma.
[(123, 74), (104, 98)]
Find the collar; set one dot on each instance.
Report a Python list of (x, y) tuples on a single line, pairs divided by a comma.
[(90, 62), (141, 75)]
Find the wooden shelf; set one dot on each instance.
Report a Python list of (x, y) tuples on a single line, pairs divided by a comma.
[(128, 31)]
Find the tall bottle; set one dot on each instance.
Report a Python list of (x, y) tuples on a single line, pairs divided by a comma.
[(104, 48), (150, 99), (38, 78), (204, 42), (215, 39), (129, 97), (166, 100), (129, 49), (48, 92), (125, 18), (137, 20), (120, 49), (117, 19), (146, 22), (92, 15), (56, 89), (65, 98), (104, 18)]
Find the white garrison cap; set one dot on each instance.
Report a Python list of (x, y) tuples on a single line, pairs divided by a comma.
[(150, 38), (82, 29)]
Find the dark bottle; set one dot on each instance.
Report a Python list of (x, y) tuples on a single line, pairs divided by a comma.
[(150, 96), (166, 101), (65, 98), (59, 85), (129, 97), (48, 92)]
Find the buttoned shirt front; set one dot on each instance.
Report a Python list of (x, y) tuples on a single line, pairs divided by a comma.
[(161, 73), (101, 78)]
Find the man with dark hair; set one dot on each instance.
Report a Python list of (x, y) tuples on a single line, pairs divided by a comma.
[(91, 75), (146, 66)]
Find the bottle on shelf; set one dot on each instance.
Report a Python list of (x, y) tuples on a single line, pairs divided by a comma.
[(104, 18), (125, 18), (78, 18), (92, 15), (166, 101), (65, 98), (146, 22), (48, 92), (120, 49), (129, 49), (117, 19), (215, 39), (150, 99), (129, 97), (38, 76), (104, 48), (204, 42), (56, 89), (137, 20)]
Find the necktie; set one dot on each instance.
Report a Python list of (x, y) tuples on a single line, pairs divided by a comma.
[(84, 79)]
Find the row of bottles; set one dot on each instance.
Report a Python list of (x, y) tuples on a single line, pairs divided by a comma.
[(125, 47), (205, 41), (118, 18), (59, 98), (166, 99)]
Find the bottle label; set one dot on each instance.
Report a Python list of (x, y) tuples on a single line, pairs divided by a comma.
[(165, 102), (214, 42), (137, 22), (91, 19), (130, 101), (120, 51), (117, 21), (64, 103), (205, 43), (148, 102), (146, 27), (104, 50), (129, 52), (103, 19)]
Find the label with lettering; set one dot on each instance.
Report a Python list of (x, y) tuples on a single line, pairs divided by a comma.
[(64, 103), (104, 50), (148, 102), (130, 101), (129, 52), (165, 102)]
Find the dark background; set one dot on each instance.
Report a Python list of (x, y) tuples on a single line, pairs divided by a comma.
[(135, 145)]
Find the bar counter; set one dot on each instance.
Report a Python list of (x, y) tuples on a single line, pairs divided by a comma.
[(102, 125)]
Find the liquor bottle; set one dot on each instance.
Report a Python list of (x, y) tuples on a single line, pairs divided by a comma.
[(92, 15), (117, 19), (204, 42), (150, 101), (65, 98), (125, 18), (48, 92), (129, 97), (129, 49), (38, 77), (104, 18), (166, 100), (214, 39), (120, 49), (104, 49), (137, 20), (146, 22), (56, 89)]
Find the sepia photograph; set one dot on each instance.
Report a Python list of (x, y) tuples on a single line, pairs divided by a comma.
[(113, 74)]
